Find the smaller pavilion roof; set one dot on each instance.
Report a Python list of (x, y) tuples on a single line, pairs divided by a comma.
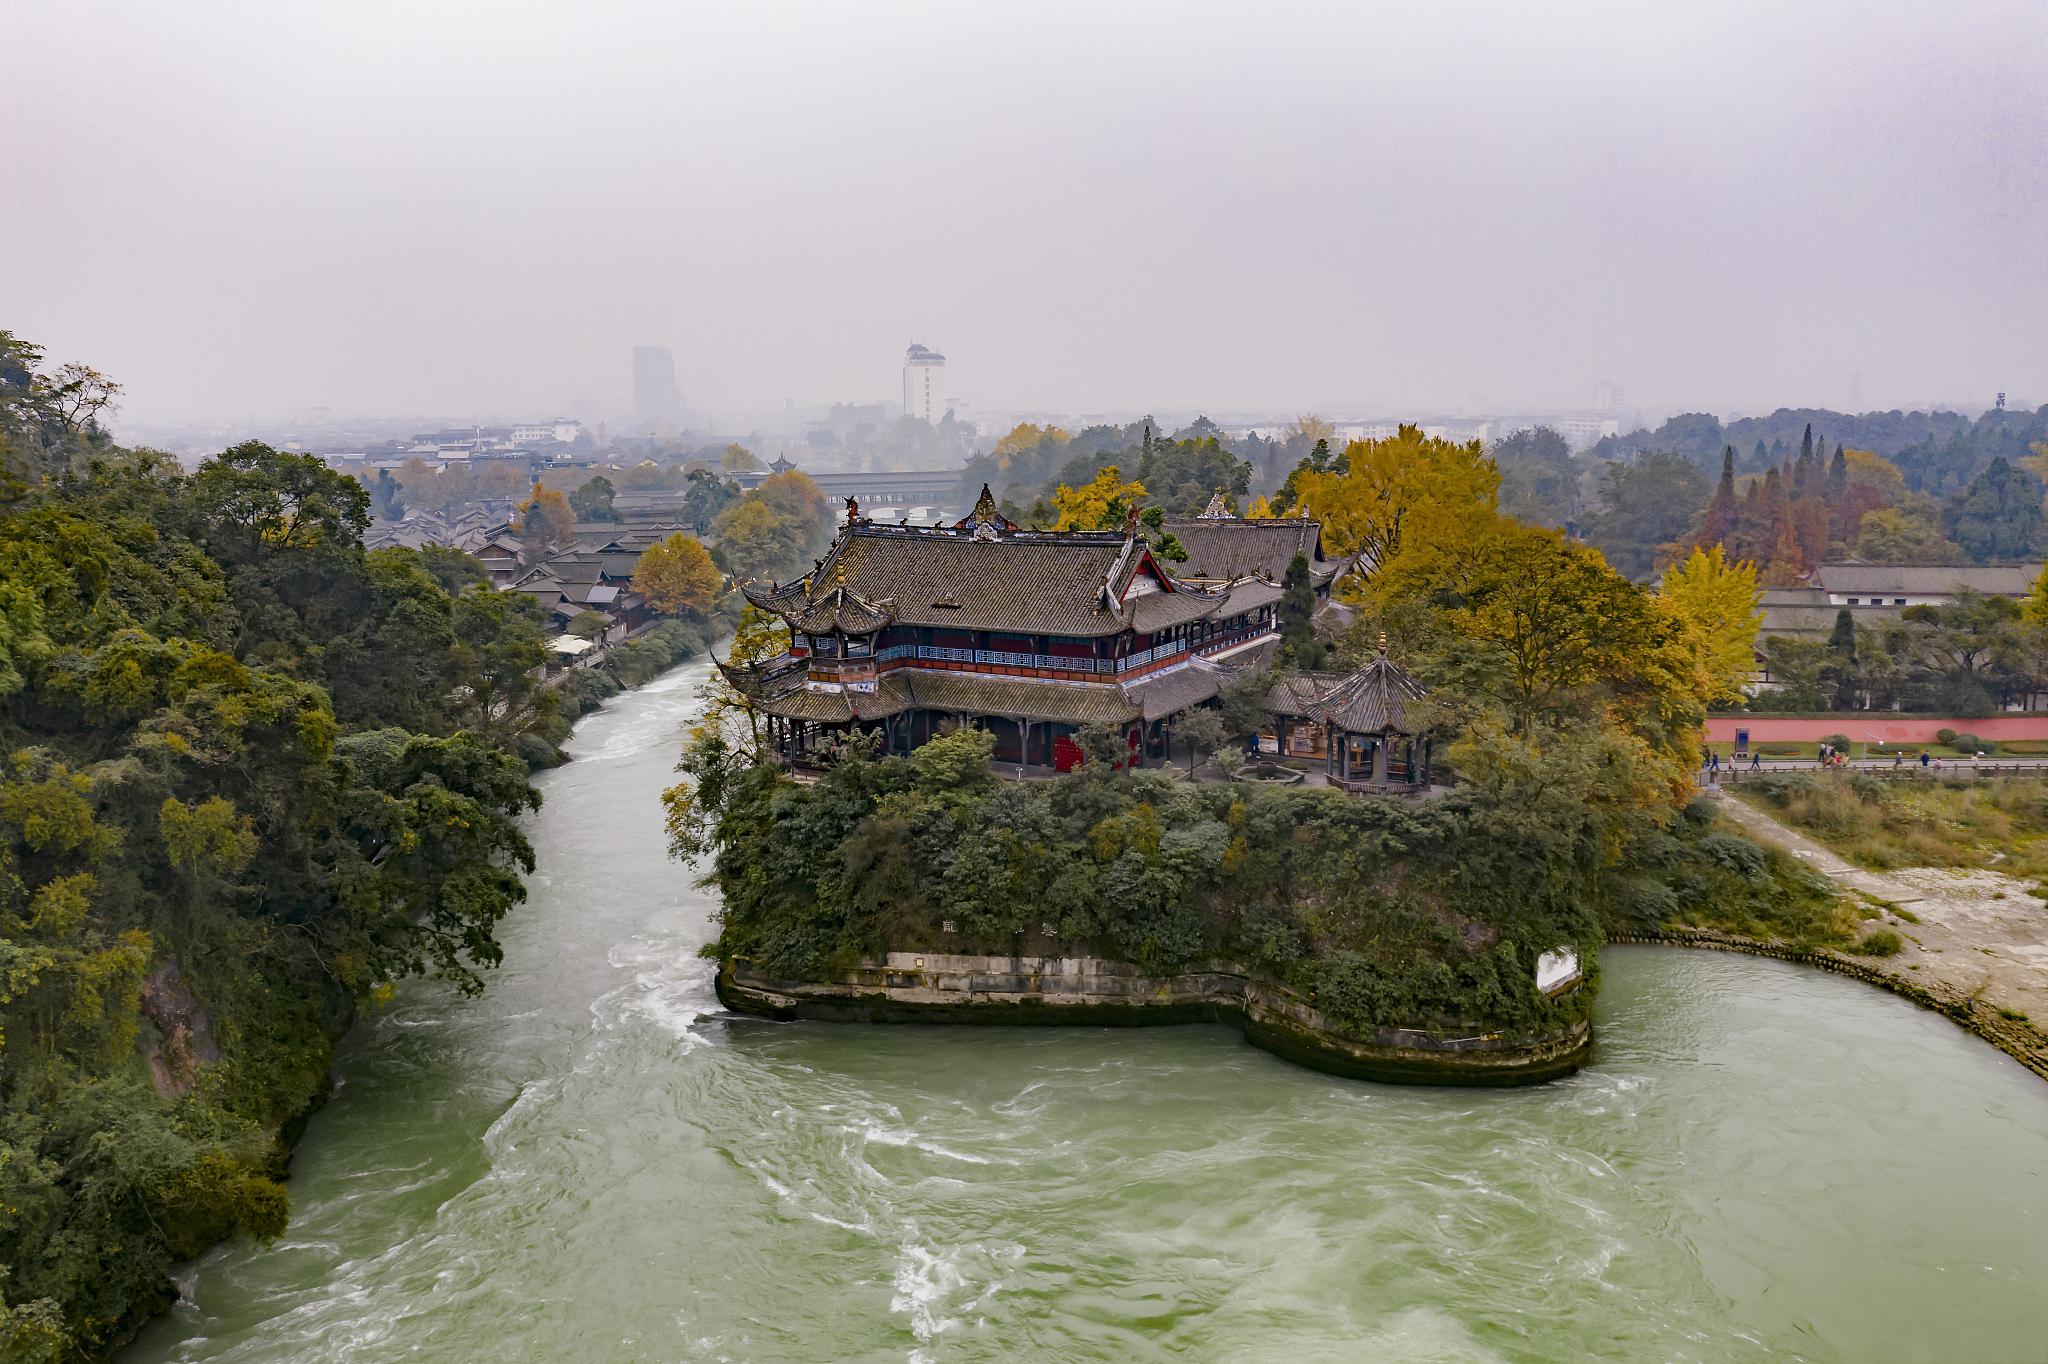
[(1373, 700)]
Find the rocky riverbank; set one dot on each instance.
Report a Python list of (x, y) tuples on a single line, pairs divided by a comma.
[(911, 987)]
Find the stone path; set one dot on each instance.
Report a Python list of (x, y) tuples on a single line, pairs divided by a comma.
[(1980, 932)]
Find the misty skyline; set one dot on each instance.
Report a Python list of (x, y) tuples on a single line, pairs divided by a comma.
[(471, 209)]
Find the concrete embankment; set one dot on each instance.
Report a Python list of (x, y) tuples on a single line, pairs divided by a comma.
[(910, 987)]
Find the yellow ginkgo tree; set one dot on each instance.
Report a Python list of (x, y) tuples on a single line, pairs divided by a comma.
[(1717, 598)]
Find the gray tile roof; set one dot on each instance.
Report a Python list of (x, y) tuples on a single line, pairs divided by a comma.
[(1025, 583), (1072, 703), (1225, 551), (1175, 690), (1998, 580), (1163, 610), (1372, 700)]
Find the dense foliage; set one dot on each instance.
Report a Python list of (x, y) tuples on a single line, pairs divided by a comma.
[(250, 774), (1384, 912), (1430, 914)]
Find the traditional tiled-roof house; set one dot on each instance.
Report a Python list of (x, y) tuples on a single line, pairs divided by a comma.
[(909, 631), (1226, 548)]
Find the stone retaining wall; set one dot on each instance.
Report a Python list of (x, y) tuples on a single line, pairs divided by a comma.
[(2017, 1038), (910, 987)]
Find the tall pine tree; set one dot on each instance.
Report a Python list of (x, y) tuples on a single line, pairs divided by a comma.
[(1841, 665), (1719, 523), (1298, 643)]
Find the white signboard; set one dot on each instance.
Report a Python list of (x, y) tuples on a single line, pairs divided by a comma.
[(1554, 969)]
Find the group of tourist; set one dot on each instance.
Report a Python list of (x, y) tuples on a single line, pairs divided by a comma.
[(1830, 756)]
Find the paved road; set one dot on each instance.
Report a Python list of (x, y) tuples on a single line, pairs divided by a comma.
[(1885, 767)]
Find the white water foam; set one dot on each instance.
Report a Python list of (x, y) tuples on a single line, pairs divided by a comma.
[(670, 987), (930, 1283), (871, 1130)]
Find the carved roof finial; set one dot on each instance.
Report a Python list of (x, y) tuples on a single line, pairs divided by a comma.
[(852, 510), (985, 507), (1383, 644), (1217, 510), (1131, 522)]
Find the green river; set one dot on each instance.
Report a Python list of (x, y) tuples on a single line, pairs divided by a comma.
[(592, 1163)]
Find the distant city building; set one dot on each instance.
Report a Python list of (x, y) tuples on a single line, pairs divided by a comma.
[(560, 430), (656, 400), (1582, 429), (1608, 396), (921, 367)]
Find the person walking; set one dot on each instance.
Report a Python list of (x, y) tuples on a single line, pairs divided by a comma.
[(1924, 759), (1756, 761)]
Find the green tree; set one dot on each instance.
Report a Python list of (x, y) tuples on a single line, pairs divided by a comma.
[(1539, 479), (1645, 507), (1842, 666), (1999, 516), (1299, 646), (593, 501)]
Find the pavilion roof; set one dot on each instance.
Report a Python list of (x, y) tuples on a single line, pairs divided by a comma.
[(1373, 700)]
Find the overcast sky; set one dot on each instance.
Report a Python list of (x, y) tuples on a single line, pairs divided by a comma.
[(469, 209)]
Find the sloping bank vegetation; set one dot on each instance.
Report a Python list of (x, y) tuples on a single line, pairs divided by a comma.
[(1382, 913), (1571, 700), (250, 775)]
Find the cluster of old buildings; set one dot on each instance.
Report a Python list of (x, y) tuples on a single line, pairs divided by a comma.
[(591, 573)]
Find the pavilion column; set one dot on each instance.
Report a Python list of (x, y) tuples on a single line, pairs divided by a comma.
[(1379, 759)]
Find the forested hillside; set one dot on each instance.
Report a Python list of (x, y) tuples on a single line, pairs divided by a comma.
[(249, 776)]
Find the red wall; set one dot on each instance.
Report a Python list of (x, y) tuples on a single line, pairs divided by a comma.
[(1860, 725)]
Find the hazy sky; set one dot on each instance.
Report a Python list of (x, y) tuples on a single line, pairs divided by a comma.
[(478, 208)]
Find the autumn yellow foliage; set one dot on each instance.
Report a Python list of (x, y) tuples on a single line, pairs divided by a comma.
[(1718, 600), (1407, 489), (1099, 504)]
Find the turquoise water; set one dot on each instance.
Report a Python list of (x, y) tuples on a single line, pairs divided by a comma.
[(592, 1163)]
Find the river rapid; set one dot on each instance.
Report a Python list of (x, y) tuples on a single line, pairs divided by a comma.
[(592, 1162)]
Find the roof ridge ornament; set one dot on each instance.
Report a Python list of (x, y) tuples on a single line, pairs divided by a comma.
[(1217, 510), (986, 518)]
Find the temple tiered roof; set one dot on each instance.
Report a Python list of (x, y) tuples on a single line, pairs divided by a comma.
[(985, 574)]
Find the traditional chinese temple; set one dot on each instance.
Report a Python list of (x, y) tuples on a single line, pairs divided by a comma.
[(906, 632)]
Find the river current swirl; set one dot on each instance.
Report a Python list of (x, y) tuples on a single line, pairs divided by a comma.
[(593, 1163)]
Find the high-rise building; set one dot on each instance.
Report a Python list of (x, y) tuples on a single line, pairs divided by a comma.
[(656, 401), (1608, 396), (921, 367)]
